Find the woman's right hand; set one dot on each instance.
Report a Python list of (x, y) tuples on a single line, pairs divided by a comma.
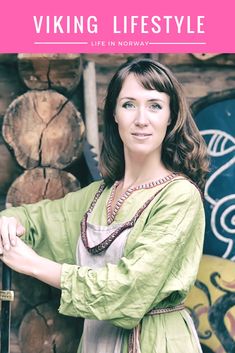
[(10, 229)]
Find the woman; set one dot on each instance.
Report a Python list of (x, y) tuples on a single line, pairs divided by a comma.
[(125, 251)]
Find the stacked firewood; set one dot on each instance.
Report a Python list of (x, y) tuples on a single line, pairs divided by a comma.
[(45, 132)]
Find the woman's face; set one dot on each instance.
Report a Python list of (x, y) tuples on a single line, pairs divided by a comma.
[(142, 116)]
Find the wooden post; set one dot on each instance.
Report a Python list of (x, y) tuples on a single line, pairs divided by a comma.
[(90, 101)]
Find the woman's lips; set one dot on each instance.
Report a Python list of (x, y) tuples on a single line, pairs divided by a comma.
[(141, 135)]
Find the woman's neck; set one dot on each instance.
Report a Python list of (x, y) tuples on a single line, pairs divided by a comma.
[(139, 172)]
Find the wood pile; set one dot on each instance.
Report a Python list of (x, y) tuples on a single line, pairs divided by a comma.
[(43, 132)]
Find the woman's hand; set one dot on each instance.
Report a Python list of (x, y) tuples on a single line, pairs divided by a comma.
[(21, 258), (10, 229)]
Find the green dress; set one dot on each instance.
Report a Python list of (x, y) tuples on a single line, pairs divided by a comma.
[(158, 267)]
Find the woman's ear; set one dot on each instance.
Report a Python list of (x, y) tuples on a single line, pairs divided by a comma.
[(115, 117)]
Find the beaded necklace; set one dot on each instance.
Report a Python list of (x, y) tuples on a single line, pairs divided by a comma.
[(111, 215)]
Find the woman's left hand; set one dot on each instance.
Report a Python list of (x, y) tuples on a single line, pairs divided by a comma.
[(21, 258)]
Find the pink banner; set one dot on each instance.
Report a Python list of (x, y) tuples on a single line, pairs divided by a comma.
[(117, 26)]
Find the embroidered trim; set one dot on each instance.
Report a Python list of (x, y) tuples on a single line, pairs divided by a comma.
[(169, 309), (111, 215), (97, 249)]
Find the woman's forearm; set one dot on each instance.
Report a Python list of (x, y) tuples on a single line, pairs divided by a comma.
[(47, 271)]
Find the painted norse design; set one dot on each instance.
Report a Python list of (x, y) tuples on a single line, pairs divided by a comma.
[(220, 187)]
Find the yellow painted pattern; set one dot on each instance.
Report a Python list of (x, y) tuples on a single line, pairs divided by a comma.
[(212, 301)]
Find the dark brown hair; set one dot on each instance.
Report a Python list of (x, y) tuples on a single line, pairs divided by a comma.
[(183, 149)]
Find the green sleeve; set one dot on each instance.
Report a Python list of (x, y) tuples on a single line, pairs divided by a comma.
[(123, 293), (52, 227)]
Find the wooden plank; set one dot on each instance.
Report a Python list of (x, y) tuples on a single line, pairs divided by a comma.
[(198, 82)]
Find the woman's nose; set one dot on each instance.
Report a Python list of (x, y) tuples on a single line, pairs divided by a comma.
[(141, 118)]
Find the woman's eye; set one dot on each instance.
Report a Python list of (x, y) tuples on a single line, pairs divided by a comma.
[(155, 107), (128, 105)]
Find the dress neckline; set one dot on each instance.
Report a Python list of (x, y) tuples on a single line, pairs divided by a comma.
[(99, 248), (112, 214)]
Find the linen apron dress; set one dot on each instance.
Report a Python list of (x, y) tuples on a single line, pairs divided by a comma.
[(150, 265)]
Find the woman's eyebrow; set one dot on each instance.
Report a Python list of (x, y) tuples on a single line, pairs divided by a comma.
[(156, 99), (131, 98), (148, 100)]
